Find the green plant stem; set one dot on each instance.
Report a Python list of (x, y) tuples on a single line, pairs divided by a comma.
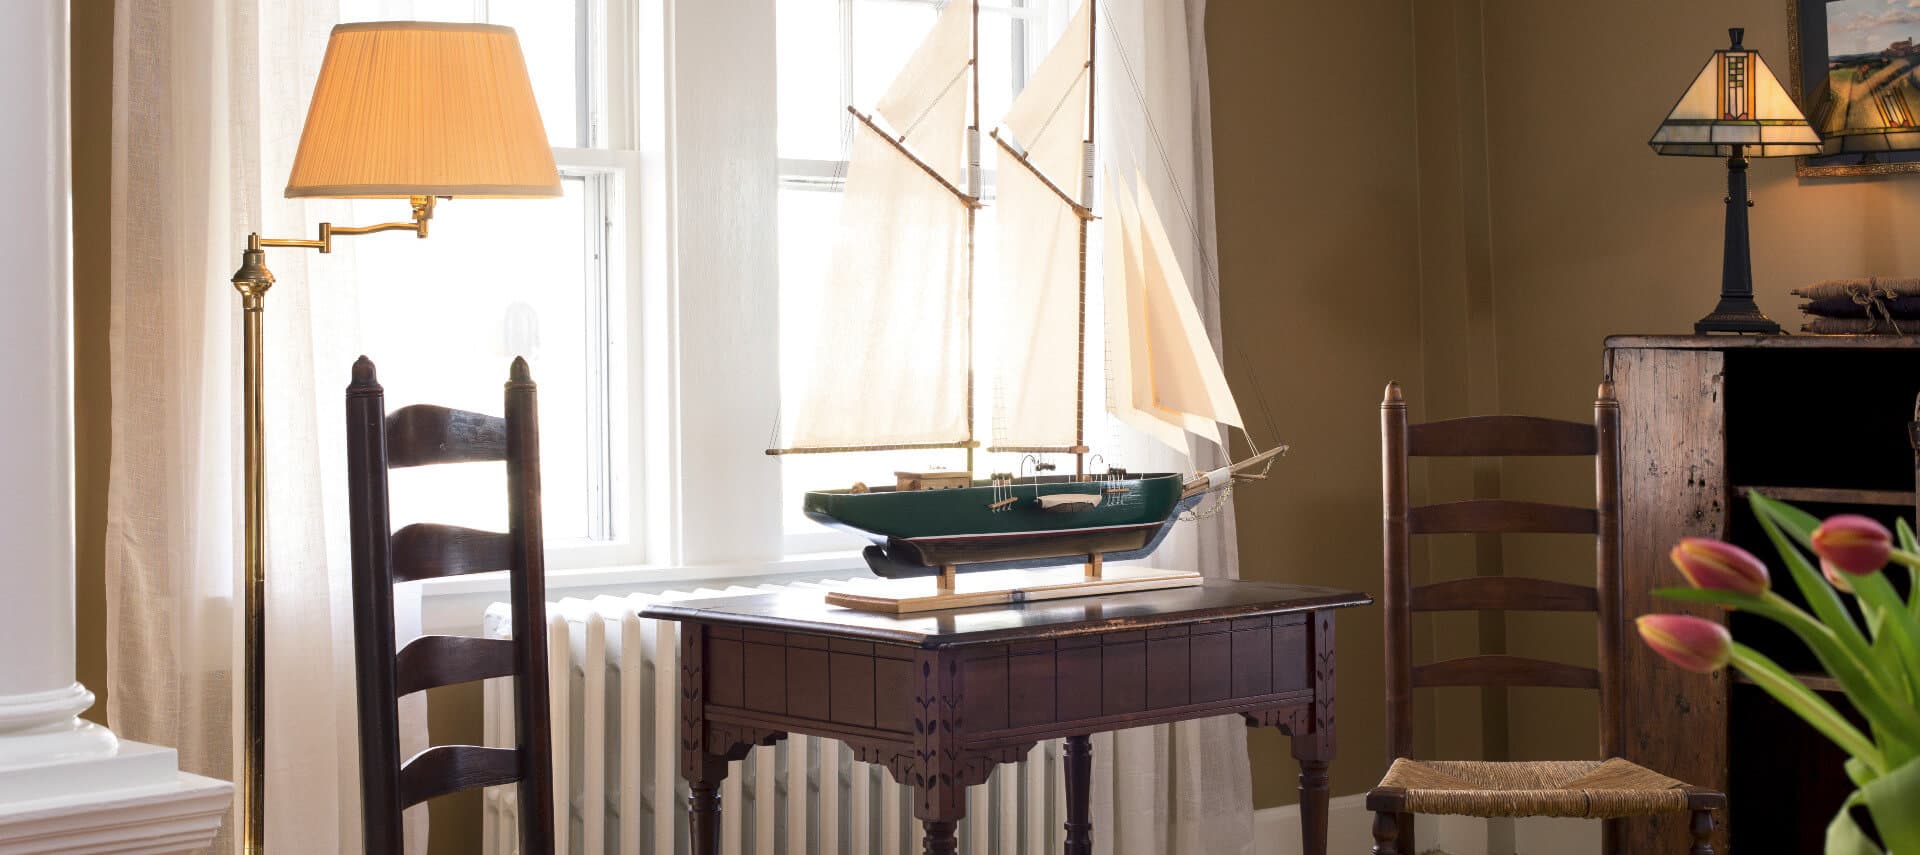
[(1809, 706)]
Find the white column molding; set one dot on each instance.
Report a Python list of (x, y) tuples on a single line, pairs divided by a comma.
[(66, 785)]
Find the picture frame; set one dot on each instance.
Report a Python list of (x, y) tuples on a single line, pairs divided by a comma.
[(1808, 59)]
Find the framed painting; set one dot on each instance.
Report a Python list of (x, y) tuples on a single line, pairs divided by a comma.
[(1855, 71)]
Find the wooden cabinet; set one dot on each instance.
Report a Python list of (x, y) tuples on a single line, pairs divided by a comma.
[(1819, 421)]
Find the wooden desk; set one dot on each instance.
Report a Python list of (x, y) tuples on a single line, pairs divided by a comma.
[(940, 698)]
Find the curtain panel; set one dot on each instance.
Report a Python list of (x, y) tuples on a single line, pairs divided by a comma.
[(209, 97)]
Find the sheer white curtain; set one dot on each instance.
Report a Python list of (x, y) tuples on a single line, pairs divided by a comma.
[(1183, 788), (209, 99)]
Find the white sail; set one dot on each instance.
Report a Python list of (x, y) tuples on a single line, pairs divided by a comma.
[(1036, 315), (927, 102), (1177, 354), (1048, 120), (1037, 307), (1130, 394), (887, 362)]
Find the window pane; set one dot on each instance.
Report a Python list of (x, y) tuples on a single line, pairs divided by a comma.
[(548, 35), (812, 91), (444, 317)]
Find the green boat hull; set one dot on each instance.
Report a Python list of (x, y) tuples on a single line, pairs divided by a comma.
[(915, 532)]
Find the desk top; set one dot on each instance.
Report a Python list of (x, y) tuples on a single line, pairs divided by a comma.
[(1763, 342), (805, 610)]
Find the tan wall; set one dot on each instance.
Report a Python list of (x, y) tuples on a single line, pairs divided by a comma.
[(1320, 278)]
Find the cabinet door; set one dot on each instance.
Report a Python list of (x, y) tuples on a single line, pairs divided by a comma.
[(1672, 485)]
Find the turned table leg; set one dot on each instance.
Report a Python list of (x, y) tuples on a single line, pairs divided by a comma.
[(1079, 795), (940, 839), (703, 807), (1315, 753)]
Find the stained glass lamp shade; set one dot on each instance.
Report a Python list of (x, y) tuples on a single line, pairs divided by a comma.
[(1736, 109)]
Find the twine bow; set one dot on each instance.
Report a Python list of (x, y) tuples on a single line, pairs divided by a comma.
[(1874, 297)]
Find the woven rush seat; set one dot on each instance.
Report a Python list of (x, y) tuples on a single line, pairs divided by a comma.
[(1586, 789)]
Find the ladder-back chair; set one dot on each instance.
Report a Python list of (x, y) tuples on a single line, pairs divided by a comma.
[(419, 436), (1606, 789)]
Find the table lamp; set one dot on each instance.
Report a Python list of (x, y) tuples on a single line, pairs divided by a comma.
[(403, 110), (1736, 109)]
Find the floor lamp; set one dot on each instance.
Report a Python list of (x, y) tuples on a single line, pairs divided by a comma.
[(401, 110)]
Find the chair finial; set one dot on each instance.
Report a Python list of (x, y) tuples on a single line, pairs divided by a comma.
[(1393, 393), (363, 375), (520, 373)]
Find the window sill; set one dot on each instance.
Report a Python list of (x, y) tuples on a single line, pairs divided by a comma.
[(455, 605), (651, 576)]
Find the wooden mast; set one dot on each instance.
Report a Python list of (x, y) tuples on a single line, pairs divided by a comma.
[(974, 188), (1086, 185)]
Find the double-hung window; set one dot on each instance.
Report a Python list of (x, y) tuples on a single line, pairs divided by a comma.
[(550, 279)]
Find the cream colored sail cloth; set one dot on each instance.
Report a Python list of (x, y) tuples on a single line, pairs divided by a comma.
[(927, 102), (886, 364), (1035, 312), (1035, 315), (1048, 120), (1163, 368)]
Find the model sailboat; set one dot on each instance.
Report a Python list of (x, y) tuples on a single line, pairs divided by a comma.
[(894, 361)]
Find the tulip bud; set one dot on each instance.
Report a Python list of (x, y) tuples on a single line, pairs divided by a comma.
[(1694, 644), (1718, 566), (1834, 577), (1853, 544)]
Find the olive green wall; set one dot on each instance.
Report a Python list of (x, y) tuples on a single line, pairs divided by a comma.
[(91, 100)]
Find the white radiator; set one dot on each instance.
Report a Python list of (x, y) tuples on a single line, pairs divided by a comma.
[(615, 697)]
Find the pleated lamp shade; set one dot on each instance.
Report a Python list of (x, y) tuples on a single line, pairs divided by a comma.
[(413, 108), (1735, 100)]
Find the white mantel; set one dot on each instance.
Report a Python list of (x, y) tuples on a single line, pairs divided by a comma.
[(66, 785)]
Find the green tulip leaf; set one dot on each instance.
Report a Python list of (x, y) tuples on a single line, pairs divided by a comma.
[(1845, 837), (1892, 799), (1796, 522), (1811, 708), (1825, 601)]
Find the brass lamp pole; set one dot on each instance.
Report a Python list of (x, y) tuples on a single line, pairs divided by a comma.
[(252, 280), (364, 138)]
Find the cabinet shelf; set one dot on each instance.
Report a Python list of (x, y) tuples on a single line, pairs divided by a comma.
[(1833, 495)]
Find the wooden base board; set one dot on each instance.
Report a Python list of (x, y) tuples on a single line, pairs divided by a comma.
[(1002, 587)]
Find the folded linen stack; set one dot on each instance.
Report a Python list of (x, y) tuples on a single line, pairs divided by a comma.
[(1861, 305)]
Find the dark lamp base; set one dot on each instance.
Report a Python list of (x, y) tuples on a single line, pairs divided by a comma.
[(1736, 316)]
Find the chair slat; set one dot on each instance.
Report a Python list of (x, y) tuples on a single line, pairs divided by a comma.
[(1501, 670), (1505, 592), (425, 434), (1502, 516), (445, 769), (430, 551), (431, 661), (1501, 436)]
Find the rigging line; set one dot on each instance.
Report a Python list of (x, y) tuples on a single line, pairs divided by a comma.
[(1054, 113), (935, 102), (1211, 276)]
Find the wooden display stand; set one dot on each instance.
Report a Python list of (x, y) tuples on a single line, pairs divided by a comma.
[(951, 590)]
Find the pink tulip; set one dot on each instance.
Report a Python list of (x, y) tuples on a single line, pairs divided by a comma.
[(1835, 577), (1694, 644), (1853, 544), (1718, 566)]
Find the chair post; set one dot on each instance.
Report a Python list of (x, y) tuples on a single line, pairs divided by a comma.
[(372, 557), (1397, 610), (1606, 479), (1386, 830), (527, 578)]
